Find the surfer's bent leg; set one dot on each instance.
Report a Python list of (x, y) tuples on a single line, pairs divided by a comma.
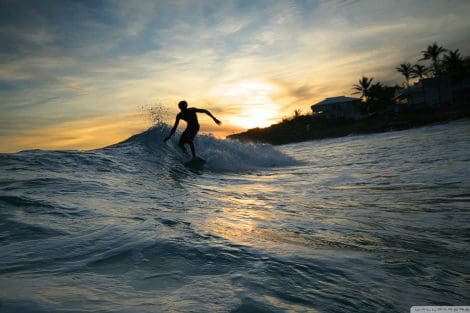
[(187, 137), (193, 151), (181, 145)]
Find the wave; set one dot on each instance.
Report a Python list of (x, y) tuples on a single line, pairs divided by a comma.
[(148, 149), (221, 155)]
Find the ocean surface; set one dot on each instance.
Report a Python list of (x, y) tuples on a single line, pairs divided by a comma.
[(364, 223)]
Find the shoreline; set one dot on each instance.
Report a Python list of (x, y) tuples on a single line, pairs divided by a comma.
[(310, 127)]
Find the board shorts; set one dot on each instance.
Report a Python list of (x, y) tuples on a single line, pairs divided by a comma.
[(189, 134)]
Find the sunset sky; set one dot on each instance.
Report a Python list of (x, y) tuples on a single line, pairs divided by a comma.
[(82, 74)]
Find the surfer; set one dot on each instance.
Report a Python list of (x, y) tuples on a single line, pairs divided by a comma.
[(190, 117)]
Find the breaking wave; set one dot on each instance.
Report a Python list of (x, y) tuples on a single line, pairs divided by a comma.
[(221, 155)]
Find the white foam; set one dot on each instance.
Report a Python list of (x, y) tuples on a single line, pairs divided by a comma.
[(234, 155)]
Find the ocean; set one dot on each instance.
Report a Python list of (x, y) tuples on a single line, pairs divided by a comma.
[(364, 223)]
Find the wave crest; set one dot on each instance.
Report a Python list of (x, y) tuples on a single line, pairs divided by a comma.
[(225, 155)]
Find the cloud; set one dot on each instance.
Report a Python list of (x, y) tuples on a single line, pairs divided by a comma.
[(66, 61)]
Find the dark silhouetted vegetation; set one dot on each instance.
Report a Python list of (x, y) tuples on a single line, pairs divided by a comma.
[(406, 69), (433, 53), (362, 87), (419, 71)]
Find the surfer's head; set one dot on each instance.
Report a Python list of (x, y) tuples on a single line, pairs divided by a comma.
[(182, 105)]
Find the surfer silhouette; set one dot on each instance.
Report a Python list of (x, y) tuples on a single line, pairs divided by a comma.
[(189, 115)]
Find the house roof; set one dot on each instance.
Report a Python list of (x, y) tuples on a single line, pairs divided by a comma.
[(340, 99)]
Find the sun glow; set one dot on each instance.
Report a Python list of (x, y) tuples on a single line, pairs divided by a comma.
[(249, 103), (254, 117)]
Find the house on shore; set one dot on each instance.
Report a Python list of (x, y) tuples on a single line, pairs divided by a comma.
[(428, 93), (338, 107), (461, 90)]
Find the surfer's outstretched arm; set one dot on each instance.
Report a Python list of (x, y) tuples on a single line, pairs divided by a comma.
[(210, 114), (173, 130)]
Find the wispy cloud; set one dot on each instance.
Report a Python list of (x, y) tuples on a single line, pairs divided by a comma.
[(64, 62)]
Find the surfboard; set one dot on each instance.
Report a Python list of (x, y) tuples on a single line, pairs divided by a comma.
[(196, 163)]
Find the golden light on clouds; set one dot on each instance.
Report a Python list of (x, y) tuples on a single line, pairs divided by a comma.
[(69, 87), (82, 134)]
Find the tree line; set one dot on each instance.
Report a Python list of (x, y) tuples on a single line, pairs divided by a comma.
[(438, 61), (376, 97)]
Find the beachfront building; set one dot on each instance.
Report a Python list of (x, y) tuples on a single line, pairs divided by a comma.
[(338, 107), (461, 90), (428, 93)]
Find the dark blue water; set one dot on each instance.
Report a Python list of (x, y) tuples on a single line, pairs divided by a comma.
[(373, 223)]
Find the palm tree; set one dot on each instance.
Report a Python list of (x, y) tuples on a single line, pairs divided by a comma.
[(452, 61), (432, 53), (375, 90), (363, 87), (419, 71), (373, 99), (380, 97), (406, 70)]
